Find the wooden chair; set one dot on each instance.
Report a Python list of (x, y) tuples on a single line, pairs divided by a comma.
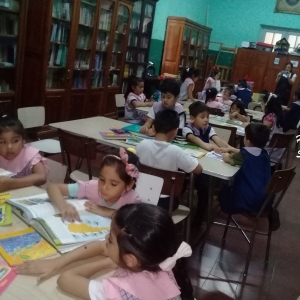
[(226, 133), (277, 186), (120, 104), (82, 148), (216, 111)]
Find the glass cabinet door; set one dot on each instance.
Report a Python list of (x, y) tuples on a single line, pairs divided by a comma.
[(198, 50), (205, 49), (103, 39), (62, 11), (119, 46), (192, 50), (185, 44), (83, 43), (9, 28)]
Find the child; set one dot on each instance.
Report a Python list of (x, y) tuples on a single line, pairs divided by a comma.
[(135, 98), (113, 189), (141, 247), (211, 82), (237, 112), (211, 100), (273, 119), (232, 89), (243, 93), (248, 190), (292, 116), (225, 99), (170, 89), (188, 78), (26, 162), (161, 154)]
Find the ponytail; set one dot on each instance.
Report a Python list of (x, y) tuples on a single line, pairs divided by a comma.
[(132, 81)]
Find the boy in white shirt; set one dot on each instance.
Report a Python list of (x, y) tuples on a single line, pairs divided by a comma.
[(161, 154)]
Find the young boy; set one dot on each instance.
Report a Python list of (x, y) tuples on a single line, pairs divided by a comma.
[(161, 154), (198, 131), (292, 116), (248, 190), (170, 90)]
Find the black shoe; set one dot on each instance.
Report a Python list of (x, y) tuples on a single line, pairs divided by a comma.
[(274, 220)]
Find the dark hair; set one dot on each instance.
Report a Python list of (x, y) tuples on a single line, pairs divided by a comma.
[(230, 91), (242, 84), (189, 72), (146, 231), (240, 105), (291, 64), (211, 93), (171, 86), (166, 120), (274, 106), (198, 107), (258, 134), (265, 94), (112, 161), (132, 81), (214, 72), (9, 123), (297, 94)]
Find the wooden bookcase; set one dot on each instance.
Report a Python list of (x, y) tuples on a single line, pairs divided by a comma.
[(140, 33), (12, 17), (186, 45), (76, 50)]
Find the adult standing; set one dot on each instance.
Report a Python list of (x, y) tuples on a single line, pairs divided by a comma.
[(285, 80)]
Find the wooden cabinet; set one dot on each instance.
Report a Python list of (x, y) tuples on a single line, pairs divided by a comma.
[(186, 45), (261, 68), (140, 33), (12, 21), (75, 53)]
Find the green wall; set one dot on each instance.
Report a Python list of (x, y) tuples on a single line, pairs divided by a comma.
[(191, 9)]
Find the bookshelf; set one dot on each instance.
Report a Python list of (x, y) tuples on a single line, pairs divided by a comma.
[(140, 32), (11, 26), (78, 50)]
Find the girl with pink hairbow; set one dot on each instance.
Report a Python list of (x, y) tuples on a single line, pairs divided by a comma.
[(113, 189)]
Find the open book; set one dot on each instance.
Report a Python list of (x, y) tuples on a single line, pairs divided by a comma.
[(64, 236)]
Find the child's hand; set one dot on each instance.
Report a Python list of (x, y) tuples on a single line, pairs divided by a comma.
[(144, 129), (94, 208), (224, 150), (150, 132), (211, 147), (4, 183), (70, 213), (150, 103)]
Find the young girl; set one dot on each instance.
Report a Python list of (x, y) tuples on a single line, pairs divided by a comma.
[(292, 114), (237, 112), (244, 93), (25, 162), (189, 77), (113, 189), (141, 246), (225, 99), (211, 82), (135, 98), (211, 100)]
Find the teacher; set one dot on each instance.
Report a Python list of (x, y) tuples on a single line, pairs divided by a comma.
[(285, 79)]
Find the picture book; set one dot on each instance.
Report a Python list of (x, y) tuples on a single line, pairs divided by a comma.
[(27, 244), (132, 128), (7, 275), (5, 214), (115, 136), (194, 153), (41, 214)]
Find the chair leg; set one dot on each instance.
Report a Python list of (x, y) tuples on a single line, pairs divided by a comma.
[(226, 228), (250, 248), (268, 246)]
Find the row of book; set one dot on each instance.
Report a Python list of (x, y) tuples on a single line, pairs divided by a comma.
[(98, 61), (135, 22), (117, 44), (102, 41), (55, 79), (97, 78), (105, 20), (131, 55), (133, 39), (87, 16), (128, 70), (82, 60), (62, 9), (137, 8), (80, 80), (141, 57), (83, 40), (144, 42), (58, 55), (10, 4), (8, 54), (60, 32), (9, 24)]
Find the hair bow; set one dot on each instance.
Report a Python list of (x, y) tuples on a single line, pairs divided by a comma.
[(131, 169), (184, 250)]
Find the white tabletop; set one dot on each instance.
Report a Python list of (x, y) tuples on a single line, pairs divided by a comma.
[(91, 127)]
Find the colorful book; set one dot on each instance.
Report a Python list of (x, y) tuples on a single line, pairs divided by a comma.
[(7, 275), (132, 128), (20, 246), (5, 214), (115, 136), (65, 236)]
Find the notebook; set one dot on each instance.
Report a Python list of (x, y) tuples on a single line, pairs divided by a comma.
[(115, 136), (42, 215), (27, 244), (7, 275)]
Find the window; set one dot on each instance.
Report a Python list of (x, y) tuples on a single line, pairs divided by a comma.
[(271, 35)]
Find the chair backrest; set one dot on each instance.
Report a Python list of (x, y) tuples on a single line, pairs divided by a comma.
[(120, 100), (173, 181), (79, 146), (226, 133), (216, 111), (57, 173), (32, 116), (149, 188)]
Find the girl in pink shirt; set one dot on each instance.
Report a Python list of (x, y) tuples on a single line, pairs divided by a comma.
[(113, 189), (211, 100), (188, 78), (25, 163), (141, 246), (211, 82)]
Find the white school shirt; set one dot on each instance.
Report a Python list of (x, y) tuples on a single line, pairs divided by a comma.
[(183, 89)]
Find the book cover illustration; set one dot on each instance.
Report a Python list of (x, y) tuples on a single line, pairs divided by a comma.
[(19, 246), (7, 275)]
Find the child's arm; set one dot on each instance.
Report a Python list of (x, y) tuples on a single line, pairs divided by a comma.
[(234, 158), (219, 142), (38, 177), (147, 125), (99, 210), (56, 192), (136, 104), (242, 118), (206, 146), (190, 93)]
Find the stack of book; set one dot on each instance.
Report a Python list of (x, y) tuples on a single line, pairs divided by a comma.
[(62, 9), (82, 60), (87, 16), (60, 32), (83, 40), (97, 78), (98, 61), (9, 24), (58, 55), (105, 20), (80, 80)]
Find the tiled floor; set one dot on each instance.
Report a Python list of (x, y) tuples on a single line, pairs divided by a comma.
[(217, 274)]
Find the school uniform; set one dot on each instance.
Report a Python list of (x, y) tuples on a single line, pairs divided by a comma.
[(132, 115), (284, 88), (292, 117), (204, 134), (245, 95), (183, 89)]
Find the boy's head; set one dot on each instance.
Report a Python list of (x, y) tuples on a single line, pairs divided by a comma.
[(166, 122), (199, 114), (170, 89), (256, 135)]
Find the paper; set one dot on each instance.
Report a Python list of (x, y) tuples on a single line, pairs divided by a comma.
[(194, 153), (276, 61), (7, 275), (214, 155), (295, 63)]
